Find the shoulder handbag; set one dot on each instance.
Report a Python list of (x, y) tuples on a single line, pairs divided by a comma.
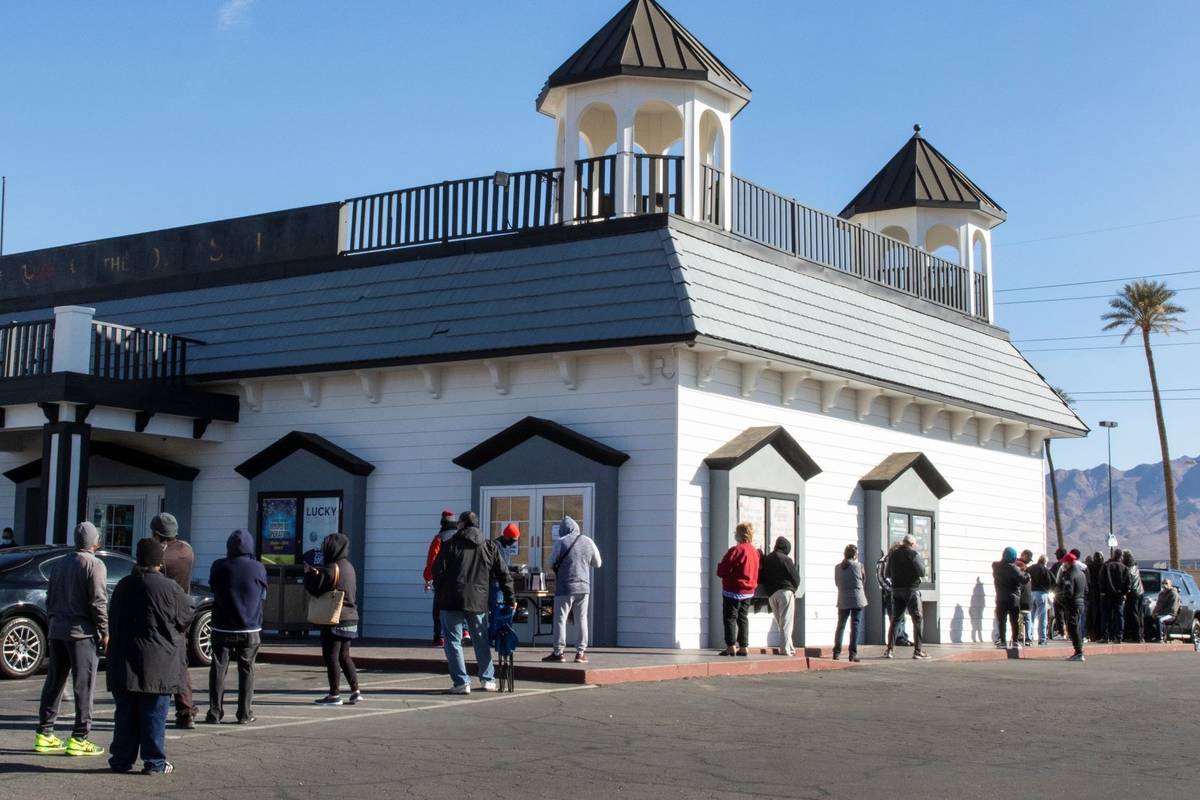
[(326, 609), (563, 556)]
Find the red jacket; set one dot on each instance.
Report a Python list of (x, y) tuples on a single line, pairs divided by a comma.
[(738, 570)]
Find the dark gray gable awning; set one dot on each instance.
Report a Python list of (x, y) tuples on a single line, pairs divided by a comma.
[(751, 440), (897, 464), (919, 175), (120, 454), (643, 39), (549, 430), (299, 440)]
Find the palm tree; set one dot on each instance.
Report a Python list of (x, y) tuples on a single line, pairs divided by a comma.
[(1066, 398), (1146, 306)]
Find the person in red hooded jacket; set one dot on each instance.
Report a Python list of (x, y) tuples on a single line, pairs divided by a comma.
[(448, 528), (738, 572)]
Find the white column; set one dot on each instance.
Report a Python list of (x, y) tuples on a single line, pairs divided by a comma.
[(727, 172), (692, 159), (50, 501), (72, 339), (967, 259), (570, 151), (623, 185)]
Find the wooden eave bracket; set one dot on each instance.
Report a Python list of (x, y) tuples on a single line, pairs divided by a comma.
[(864, 399), (641, 365), (958, 422), (568, 369), (987, 426), (311, 386), (499, 370), (897, 405), (751, 370), (372, 383), (829, 393), (1037, 437), (790, 386), (433, 379), (253, 392), (706, 367), (1014, 431)]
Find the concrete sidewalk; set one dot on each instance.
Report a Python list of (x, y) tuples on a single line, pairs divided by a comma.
[(608, 666)]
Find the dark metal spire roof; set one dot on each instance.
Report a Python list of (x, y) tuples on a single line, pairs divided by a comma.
[(919, 175), (643, 39)]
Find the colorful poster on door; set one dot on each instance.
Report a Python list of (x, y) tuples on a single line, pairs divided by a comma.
[(278, 531), (322, 517)]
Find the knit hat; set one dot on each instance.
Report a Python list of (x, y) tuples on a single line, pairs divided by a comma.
[(149, 554), (1069, 558), (164, 525), (86, 536), (1010, 555), (447, 513), (511, 531)]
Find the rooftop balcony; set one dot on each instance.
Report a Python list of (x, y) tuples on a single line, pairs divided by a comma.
[(631, 184)]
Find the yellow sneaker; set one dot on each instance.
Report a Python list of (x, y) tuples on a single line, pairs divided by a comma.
[(82, 747), (48, 743)]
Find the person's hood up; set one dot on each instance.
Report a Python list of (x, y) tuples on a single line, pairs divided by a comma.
[(86, 536), (1010, 555), (471, 536), (335, 547), (782, 545), (239, 543), (568, 527)]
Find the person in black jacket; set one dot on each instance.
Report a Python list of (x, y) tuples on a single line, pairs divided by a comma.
[(1041, 583), (1058, 629), (337, 572), (1026, 604), (149, 616), (1070, 591), (1096, 625), (779, 578), (906, 570), (462, 574), (239, 586), (1115, 584), (1009, 579)]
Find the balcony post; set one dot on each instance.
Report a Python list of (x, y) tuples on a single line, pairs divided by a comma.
[(72, 339), (624, 184)]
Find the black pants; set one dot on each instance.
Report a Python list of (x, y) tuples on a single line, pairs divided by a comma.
[(240, 646), (437, 617), (1074, 615), (1007, 614), (906, 600), (1060, 616), (336, 652), (736, 614), (1114, 618), (77, 658), (1136, 615), (855, 617)]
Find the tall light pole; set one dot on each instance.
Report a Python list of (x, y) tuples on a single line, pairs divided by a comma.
[(1108, 425)]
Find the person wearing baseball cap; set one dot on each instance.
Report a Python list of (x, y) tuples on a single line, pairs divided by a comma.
[(1070, 592), (449, 527), (178, 560)]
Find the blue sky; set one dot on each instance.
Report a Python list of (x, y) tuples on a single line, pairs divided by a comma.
[(1079, 118)]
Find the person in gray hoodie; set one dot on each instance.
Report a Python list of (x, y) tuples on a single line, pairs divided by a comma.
[(848, 576), (573, 558), (77, 604)]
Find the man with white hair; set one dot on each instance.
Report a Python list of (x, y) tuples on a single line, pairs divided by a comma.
[(77, 604), (906, 570), (1166, 608)]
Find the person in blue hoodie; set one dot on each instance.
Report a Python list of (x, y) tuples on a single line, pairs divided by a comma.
[(239, 586)]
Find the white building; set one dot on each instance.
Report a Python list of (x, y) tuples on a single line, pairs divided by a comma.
[(635, 336)]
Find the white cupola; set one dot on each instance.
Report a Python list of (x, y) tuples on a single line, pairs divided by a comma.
[(922, 199), (643, 113)]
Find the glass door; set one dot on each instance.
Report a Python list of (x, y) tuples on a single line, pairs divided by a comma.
[(537, 511), (123, 516)]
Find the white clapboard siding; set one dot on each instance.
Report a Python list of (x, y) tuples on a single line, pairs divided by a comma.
[(997, 499)]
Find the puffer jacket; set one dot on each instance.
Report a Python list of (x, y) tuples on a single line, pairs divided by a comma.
[(463, 569)]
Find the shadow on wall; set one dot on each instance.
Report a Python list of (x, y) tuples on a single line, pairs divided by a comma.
[(977, 604), (956, 624)]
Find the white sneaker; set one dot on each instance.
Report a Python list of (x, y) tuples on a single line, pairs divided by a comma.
[(489, 686), (461, 689)]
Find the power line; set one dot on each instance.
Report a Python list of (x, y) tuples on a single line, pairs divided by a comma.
[(1107, 347), (1129, 399), (1093, 336), (1077, 297), (1128, 391), (1108, 280), (1100, 230)]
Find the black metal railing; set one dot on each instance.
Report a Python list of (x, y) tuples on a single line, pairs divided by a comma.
[(595, 188), (26, 348), (125, 353), (785, 224), (981, 295), (461, 209), (710, 197), (657, 184)]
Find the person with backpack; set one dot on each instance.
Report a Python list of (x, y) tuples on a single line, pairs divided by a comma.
[(337, 574), (150, 618), (885, 592), (239, 586), (1009, 579), (780, 579), (448, 528), (573, 558), (738, 572), (852, 599), (77, 603), (464, 568)]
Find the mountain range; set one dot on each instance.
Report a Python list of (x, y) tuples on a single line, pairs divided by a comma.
[(1139, 508)]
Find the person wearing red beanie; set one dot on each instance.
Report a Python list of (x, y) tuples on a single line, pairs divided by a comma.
[(508, 543), (448, 528)]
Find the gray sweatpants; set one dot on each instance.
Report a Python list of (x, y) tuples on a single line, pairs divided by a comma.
[(562, 608), (79, 658)]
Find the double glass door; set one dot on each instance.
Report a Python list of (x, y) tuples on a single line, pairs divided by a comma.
[(123, 515), (537, 511)]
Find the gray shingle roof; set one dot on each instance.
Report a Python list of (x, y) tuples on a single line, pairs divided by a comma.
[(919, 175)]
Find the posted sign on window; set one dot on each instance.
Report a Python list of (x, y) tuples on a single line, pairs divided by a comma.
[(321, 516), (278, 531), (294, 523)]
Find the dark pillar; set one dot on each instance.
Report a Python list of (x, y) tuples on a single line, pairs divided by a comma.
[(64, 479)]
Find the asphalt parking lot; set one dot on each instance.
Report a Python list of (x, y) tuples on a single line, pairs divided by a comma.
[(1111, 727)]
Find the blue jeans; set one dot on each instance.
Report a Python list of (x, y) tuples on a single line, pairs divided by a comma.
[(1038, 610), (855, 616), (140, 722), (452, 630)]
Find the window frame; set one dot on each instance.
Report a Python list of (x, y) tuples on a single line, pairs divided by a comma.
[(299, 497), (931, 565)]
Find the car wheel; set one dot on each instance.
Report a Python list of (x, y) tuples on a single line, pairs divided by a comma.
[(22, 647), (200, 640)]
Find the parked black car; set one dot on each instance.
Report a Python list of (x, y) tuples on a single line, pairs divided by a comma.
[(1188, 621), (24, 577)]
